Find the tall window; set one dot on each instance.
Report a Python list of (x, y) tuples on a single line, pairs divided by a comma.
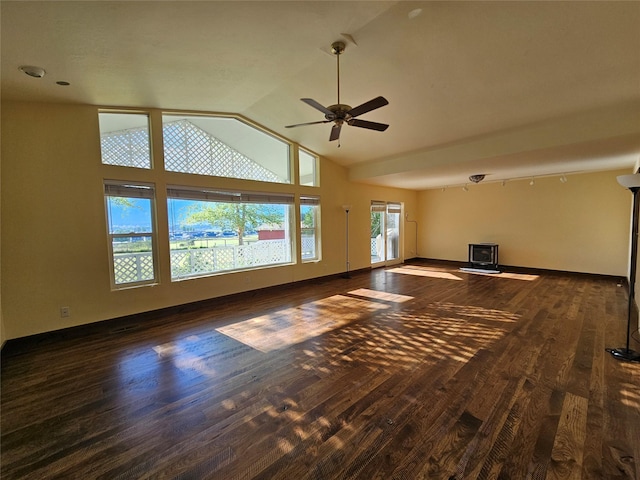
[(308, 168), (130, 218), (124, 139), (223, 147), (309, 219), (215, 231)]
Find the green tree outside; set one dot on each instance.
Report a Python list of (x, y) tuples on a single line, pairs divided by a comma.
[(237, 216)]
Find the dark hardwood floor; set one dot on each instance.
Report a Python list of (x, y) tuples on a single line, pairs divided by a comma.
[(418, 371)]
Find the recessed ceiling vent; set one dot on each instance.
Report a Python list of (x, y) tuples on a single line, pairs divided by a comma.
[(32, 71)]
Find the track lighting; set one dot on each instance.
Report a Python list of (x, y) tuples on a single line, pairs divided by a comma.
[(477, 178)]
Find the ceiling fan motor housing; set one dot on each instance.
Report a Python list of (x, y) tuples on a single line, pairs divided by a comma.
[(340, 112)]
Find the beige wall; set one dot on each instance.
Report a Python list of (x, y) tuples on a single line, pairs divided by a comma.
[(579, 226), (54, 243), (2, 334)]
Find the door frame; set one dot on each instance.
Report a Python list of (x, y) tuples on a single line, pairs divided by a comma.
[(383, 207)]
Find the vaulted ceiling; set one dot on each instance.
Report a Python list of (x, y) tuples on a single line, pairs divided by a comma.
[(507, 89)]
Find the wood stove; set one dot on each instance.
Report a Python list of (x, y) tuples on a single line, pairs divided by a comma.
[(483, 256)]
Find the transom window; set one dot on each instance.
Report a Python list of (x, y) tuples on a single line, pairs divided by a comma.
[(223, 147), (308, 168), (124, 139)]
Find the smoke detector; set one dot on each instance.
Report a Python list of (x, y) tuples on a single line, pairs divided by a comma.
[(477, 178)]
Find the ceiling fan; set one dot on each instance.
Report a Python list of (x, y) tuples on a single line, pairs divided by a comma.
[(339, 113)]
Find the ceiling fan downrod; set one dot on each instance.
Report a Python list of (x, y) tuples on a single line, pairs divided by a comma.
[(337, 48)]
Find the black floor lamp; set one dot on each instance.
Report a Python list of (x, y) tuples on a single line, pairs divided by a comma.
[(632, 182), (346, 209)]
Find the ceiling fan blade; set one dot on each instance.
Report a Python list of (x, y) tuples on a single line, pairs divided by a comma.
[(307, 123), (356, 122), (368, 106), (335, 132), (312, 103)]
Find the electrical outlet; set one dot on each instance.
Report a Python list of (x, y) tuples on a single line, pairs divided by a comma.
[(65, 312)]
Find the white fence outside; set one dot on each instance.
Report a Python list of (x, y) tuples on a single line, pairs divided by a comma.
[(187, 263), (132, 267), (138, 267)]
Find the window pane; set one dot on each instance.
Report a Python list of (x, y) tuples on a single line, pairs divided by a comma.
[(307, 164), (208, 237), (223, 147), (124, 139), (131, 233), (129, 215), (393, 231), (309, 214)]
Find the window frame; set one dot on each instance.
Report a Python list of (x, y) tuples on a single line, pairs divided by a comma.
[(254, 128), (131, 113), (229, 196), (124, 189), (314, 202), (315, 167)]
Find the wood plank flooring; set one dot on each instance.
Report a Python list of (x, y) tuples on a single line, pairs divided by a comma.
[(410, 372)]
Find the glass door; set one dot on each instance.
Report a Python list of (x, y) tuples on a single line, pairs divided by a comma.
[(385, 233), (378, 238), (394, 211)]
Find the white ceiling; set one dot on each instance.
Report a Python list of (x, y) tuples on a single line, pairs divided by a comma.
[(509, 89)]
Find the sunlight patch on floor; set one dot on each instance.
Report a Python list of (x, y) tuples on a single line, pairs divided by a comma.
[(298, 324), (378, 295), (424, 272), (630, 395), (475, 311), (406, 338), (180, 354)]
